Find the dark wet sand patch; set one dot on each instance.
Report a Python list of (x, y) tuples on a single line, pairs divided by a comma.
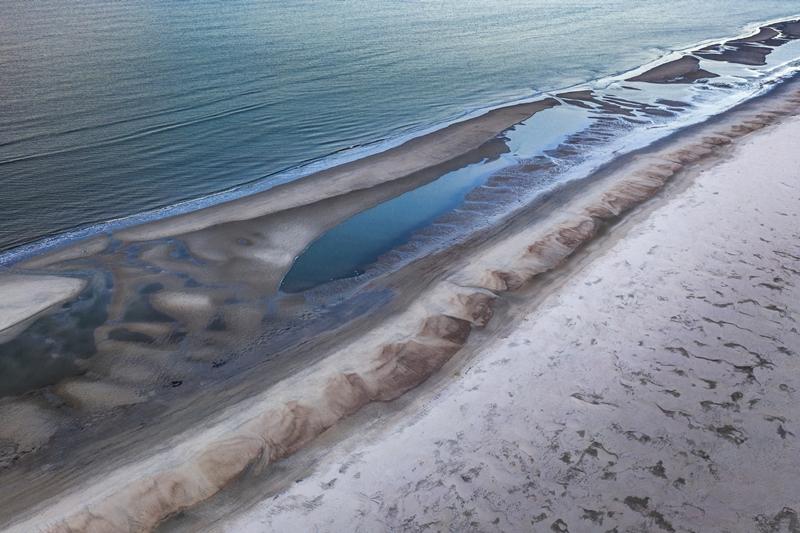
[(616, 106), (684, 70), (741, 53), (126, 335), (752, 50), (764, 34), (790, 29), (673, 103)]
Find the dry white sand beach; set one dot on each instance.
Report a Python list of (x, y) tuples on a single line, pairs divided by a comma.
[(654, 386)]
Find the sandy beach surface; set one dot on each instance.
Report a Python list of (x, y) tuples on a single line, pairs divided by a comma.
[(25, 297), (652, 388)]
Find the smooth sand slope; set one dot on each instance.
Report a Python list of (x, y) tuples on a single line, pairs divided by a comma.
[(654, 388)]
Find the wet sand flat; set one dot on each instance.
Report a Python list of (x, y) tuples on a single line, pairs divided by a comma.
[(654, 387)]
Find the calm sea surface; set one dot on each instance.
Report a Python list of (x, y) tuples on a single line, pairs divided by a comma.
[(109, 109)]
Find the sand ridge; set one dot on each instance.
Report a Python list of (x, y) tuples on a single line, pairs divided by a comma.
[(413, 156)]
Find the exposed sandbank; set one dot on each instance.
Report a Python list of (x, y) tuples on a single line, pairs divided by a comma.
[(684, 70), (413, 156), (754, 49)]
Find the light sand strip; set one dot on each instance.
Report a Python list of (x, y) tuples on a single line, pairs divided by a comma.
[(25, 297), (413, 156)]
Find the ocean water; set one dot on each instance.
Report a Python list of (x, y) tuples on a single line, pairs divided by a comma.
[(113, 109)]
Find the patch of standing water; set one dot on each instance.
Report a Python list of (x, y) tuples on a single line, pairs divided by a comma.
[(345, 250)]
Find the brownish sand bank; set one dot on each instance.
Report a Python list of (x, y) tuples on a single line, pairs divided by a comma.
[(394, 356), (684, 70)]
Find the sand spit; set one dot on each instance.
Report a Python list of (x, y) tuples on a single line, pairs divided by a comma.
[(25, 297), (167, 312), (413, 156), (751, 50), (387, 361)]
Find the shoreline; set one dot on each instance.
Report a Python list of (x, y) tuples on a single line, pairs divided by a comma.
[(461, 142), (74, 241), (446, 316), (454, 139)]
